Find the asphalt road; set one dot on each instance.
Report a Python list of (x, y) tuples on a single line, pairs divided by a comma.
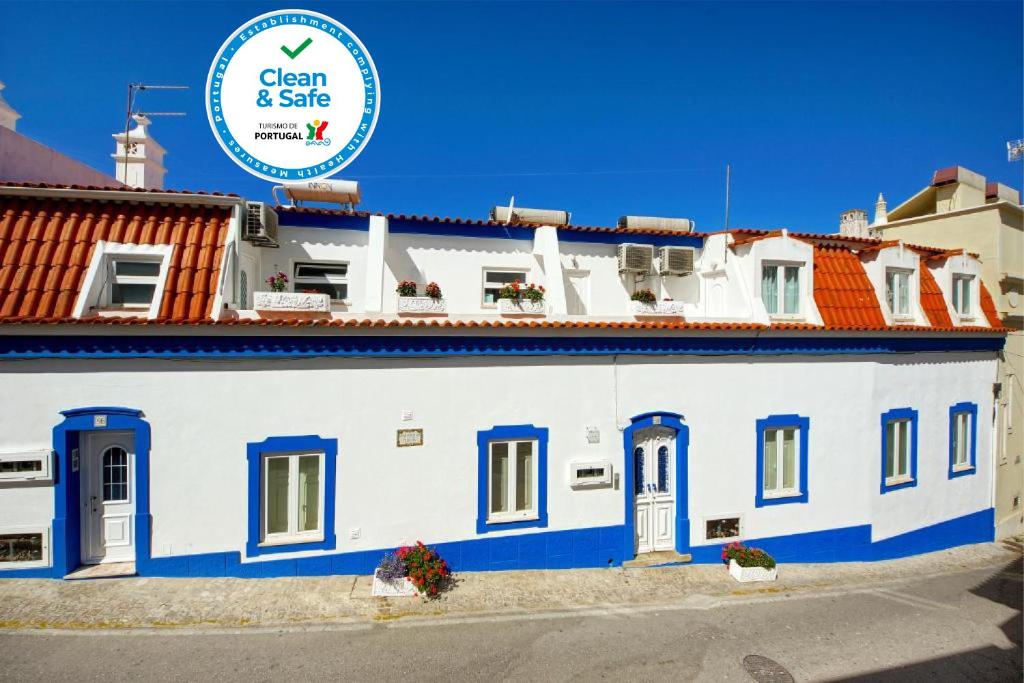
[(963, 626)]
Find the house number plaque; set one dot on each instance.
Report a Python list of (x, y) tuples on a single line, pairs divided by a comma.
[(409, 437)]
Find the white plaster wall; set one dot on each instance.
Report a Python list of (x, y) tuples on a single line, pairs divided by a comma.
[(203, 413)]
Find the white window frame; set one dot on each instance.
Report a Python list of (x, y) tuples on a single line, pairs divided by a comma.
[(95, 294), (292, 535), (722, 539), (962, 441), (902, 278), (485, 284), (958, 296), (512, 515), (779, 491), (780, 284), (331, 279), (44, 456), (898, 477), (45, 559)]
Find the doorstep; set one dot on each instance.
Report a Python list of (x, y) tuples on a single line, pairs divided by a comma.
[(108, 570), (657, 559)]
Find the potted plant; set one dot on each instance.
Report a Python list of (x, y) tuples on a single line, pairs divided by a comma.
[(410, 304), (645, 302), (389, 579), (515, 299), (278, 282), (749, 564), (409, 570)]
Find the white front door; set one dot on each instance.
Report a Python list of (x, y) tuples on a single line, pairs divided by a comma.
[(654, 460), (108, 497), (577, 291)]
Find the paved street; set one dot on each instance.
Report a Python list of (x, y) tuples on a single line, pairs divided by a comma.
[(964, 625)]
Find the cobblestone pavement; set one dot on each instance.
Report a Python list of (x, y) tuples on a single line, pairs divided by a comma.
[(313, 601)]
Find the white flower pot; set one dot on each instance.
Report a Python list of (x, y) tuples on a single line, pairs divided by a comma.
[(397, 588), (521, 307), (665, 308), (421, 305), (747, 574), (291, 301)]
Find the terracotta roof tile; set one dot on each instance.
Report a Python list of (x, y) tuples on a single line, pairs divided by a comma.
[(47, 243), (988, 307), (842, 291), (932, 301)]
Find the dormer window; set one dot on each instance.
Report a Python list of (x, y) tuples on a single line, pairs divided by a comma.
[(897, 292), (125, 279), (131, 282), (780, 289), (963, 286)]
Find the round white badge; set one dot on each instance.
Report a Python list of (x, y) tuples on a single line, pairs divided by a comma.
[(292, 95)]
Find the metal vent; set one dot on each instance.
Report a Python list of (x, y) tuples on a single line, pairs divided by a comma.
[(260, 225), (636, 258), (675, 260)]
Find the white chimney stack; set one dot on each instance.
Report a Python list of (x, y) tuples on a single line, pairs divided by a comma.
[(139, 159), (853, 223), (8, 117), (881, 211)]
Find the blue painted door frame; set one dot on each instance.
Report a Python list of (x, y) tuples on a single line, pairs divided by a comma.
[(66, 540), (672, 421)]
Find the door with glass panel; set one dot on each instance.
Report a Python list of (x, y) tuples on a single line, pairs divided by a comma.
[(292, 497), (107, 497), (654, 450), (512, 473)]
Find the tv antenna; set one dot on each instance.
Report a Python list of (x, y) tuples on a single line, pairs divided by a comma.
[(133, 91), (1015, 150)]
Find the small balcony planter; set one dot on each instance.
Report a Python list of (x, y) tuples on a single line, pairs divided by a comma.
[(521, 307), (421, 305), (291, 301), (749, 564), (383, 587), (656, 308)]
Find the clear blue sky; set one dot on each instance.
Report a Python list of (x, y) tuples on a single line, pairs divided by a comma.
[(817, 106)]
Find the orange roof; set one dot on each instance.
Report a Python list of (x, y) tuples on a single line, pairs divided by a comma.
[(47, 243), (932, 301), (842, 291), (988, 307)]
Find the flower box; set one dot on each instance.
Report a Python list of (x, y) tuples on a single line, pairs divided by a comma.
[(520, 307), (667, 308), (421, 305), (392, 588), (747, 574), (291, 301)]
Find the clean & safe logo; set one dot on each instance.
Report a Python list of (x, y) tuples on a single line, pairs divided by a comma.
[(276, 85)]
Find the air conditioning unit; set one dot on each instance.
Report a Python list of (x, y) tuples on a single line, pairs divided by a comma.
[(675, 261), (636, 258), (260, 224)]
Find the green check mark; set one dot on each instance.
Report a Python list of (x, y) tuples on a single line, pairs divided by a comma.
[(295, 53)]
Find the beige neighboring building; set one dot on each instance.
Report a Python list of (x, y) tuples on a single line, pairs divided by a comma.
[(960, 210)]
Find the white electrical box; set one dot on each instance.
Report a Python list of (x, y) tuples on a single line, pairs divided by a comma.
[(592, 474), (27, 466)]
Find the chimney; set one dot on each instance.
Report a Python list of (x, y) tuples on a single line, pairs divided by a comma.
[(881, 211), (138, 160), (853, 223), (8, 117)]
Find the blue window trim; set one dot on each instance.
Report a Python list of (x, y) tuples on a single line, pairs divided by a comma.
[(774, 422), (972, 410), (682, 521), (900, 414), (502, 433), (290, 444)]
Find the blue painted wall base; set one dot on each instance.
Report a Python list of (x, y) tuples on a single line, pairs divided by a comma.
[(578, 548)]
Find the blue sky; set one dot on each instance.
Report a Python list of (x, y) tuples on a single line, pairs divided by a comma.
[(603, 109)]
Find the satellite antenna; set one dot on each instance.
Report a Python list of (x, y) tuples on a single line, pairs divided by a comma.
[(1015, 150), (133, 90)]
